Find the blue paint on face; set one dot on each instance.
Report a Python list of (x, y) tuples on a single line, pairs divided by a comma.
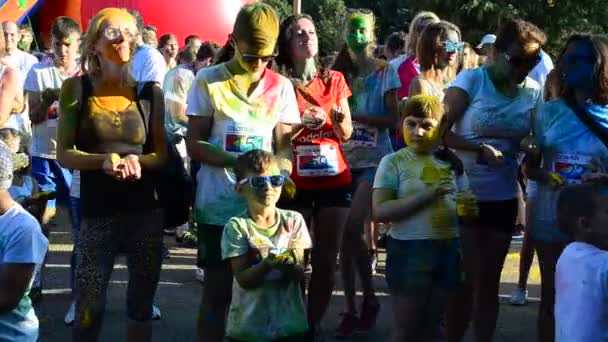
[(579, 63)]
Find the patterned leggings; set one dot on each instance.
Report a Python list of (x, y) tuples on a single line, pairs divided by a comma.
[(139, 236)]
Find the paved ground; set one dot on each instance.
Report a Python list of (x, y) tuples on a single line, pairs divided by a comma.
[(179, 294)]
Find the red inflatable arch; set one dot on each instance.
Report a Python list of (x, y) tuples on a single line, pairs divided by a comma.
[(210, 19)]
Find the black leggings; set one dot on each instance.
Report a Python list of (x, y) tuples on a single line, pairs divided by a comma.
[(100, 240)]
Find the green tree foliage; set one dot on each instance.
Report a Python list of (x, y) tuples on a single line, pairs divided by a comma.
[(283, 7)]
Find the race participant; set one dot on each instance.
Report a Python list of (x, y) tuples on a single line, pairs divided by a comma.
[(234, 107), (374, 85), (489, 109), (320, 172), (167, 45), (113, 132)]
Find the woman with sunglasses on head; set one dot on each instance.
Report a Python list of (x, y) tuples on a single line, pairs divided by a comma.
[(489, 109), (437, 48), (116, 144), (321, 175), (568, 149), (455, 36), (374, 85), (235, 107)]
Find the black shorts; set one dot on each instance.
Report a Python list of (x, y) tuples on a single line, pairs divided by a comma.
[(340, 197), (210, 247), (500, 216)]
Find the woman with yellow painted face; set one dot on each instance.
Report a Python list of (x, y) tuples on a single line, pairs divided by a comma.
[(373, 105), (234, 107), (488, 114), (116, 144)]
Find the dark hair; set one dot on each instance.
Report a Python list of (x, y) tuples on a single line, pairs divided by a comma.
[(427, 43), (577, 201), (207, 50), (518, 31), (225, 53), (254, 161), (149, 27), (395, 41), (600, 80), (283, 62), (164, 40), (62, 27), (190, 38), (187, 55)]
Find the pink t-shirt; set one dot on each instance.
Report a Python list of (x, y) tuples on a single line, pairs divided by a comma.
[(408, 70)]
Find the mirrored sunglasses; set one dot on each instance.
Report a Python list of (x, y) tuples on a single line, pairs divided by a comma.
[(259, 182), (113, 33)]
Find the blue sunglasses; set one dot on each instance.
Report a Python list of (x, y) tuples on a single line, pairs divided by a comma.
[(453, 47), (259, 182)]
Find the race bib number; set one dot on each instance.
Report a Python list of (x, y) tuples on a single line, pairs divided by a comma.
[(240, 139), (363, 135), (317, 160), (572, 167)]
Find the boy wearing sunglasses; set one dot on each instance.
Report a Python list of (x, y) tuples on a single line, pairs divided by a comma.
[(265, 247)]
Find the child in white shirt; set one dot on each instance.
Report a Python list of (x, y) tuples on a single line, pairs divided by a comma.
[(581, 278)]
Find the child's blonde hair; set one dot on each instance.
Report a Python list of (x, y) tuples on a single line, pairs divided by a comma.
[(421, 106)]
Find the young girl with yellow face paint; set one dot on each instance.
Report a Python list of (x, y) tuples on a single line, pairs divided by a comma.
[(373, 105), (417, 192)]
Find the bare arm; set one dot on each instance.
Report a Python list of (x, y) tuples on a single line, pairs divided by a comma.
[(343, 125), (386, 121), (8, 93), (67, 154), (386, 207), (199, 148), (249, 277), (282, 135), (14, 281), (417, 88), (177, 111), (456, 103)]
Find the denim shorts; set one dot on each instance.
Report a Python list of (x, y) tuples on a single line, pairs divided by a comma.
[(421, 264)]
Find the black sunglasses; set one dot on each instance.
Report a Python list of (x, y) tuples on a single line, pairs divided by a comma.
[(519, 61)]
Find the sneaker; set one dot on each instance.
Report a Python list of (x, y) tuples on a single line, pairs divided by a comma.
[(519, 297), (70, 315), (518, 235), (155, 313), (348, 326), (187, 240), (369, 315), (199, 274), (35, 295)]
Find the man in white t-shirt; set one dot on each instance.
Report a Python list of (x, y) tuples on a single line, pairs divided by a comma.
[(23, 63), (581, 278), (542, 69), (42, 91), (22, 247), (147, 64)]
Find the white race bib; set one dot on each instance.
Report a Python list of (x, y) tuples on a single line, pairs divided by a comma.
[(239, 139), (317, 160), (363, 135), (572, 167)]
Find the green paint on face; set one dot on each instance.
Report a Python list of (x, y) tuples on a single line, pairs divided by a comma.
[(358, 34)]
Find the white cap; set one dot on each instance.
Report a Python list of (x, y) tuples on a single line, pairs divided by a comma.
[(487, 39)]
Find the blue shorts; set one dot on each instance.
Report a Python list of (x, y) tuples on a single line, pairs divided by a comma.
[(52, 177), (421, 264)]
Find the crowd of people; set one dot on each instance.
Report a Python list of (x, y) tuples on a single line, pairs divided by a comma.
[(275, 162)]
